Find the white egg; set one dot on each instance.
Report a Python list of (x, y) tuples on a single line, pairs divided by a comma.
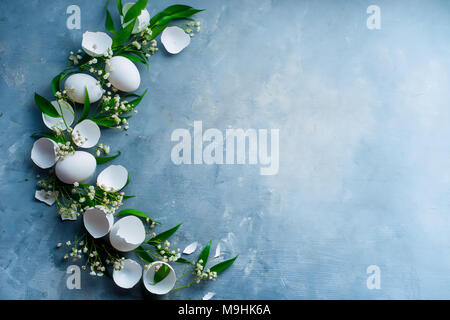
[(76, 84), (123, 74), (76, 167), (163, 286), (127, 234)]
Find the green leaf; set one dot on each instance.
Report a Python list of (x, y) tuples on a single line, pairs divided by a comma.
[(141, 253), (123, 35), (163, 235), (55, 84), (128, 197), (48, 135), (135, 11), (45, 106), (133, 212), (167, 12), (204, 255), (120, 7), (133, 58), (223, 265), (109, 23), (86, 106), (161, 274), (179, 15), (183, 260), (135, 102), (102, 160), (157, 30)]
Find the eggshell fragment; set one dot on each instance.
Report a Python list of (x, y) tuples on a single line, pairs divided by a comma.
[(97, 222), (190, 248), (86, 134), (162, 287), (208, 296), (60, 123), (113, 178), (127, 234), (123, 74), (175, 39), (76, 167), (96, 44), (217, 254), (43, 153), (45, 196), (76, 84), (142, 20), (129, 275)]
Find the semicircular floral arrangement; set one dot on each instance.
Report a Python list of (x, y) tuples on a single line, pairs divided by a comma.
[(100, 80)]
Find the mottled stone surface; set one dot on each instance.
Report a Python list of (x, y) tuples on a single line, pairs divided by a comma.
[(364, 152)]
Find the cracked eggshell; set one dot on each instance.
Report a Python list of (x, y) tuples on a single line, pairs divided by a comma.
[(43, 153), (96, 44), (97, 222), (76, 84), (190, 248), (162, 287), (208, 296), (127, 234), (60, 123), (45, 197), (142, 20), (128, 276), (123, 74), (76, 167), (113, 178), (175, 39), (86, 134)]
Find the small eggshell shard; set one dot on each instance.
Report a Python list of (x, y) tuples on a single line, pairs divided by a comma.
[(46, 197), (76, 84), (43, 153), (127, 234), (129, 275), (208, 296), (142, 20), (64, 109), (76, 167), (163, 286), (175, 39), (68, 216), (113, 178), (86, 134), (190, 248), (217, 254), (97, 222), (96, 44), (123, 74)]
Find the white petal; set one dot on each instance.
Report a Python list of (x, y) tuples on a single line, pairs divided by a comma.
[(43, 196), (129, 275), (217, 251), (175, 39), (162, 287), (127, 234), (208, 296), (60, 123), (190, 248), (86, 134), (43, 153), (96, 44), (97, 222), (142, 20), (113, 178)]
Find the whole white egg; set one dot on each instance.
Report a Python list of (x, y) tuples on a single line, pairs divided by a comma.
[(123, 74), (76, 84), (76, 167)]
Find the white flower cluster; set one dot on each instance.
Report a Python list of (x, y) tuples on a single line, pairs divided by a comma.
[(200, 275), (166, 253)]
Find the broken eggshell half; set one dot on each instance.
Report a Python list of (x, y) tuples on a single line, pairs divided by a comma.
[(64, 109), (163, 286), (129, 275), (76, 167), (43, 153), (175, 39), (86, 134), (123, 74), (127, 234), (76, 84), (142, 20), (97, 222), (113, 178), (96, 44)]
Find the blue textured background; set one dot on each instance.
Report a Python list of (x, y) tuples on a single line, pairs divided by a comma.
[(364, 147)]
